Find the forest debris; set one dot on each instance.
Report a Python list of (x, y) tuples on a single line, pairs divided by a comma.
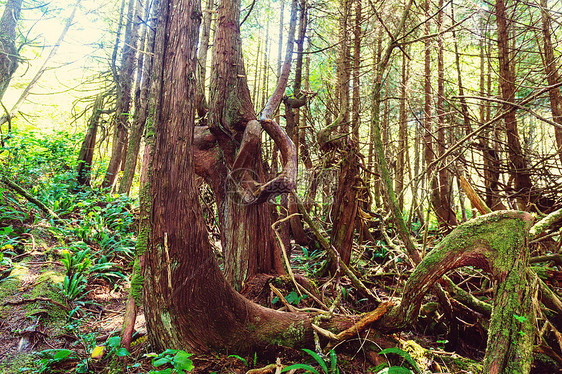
[(541, 226), (282, 298), (271, 368), (328, 334), (23, 192), (284, 250), (476, 200), (333, 254), (364, 322), (34, 300)]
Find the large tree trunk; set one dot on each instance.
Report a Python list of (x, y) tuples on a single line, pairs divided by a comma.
[(188, 303), (250, 246), (496, 243), (9, 56)]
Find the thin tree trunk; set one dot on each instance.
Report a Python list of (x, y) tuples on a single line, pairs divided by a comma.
[(43, 67), (9, 56), (552, 75), (373, 179), (202, 58), (124, 88), (86, 154), (429, 153), (444, 209), (517, 163), (402, 136), (141, 99), (292, 116)]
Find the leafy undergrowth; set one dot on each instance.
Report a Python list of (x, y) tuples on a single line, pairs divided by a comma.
[(64, 283)]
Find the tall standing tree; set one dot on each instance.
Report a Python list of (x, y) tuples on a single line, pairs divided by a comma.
[(124, 78), (9, 56), (552, 75), (181, 275), (142, 92)]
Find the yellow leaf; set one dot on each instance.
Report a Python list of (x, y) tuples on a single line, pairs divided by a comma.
[(98, 352)]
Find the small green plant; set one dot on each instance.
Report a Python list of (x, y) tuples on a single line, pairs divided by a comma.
[(320, 361), (113, 345), (180, 360), (386, 369), (72, 288), (240, 358), (51, 357), (292, 298)]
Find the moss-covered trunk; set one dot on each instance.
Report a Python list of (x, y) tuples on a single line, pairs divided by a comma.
[(496, 243)]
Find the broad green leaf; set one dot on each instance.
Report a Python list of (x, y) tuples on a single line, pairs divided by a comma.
[(114, 341), (398, 370), (165, 371), (308, 368), (318, 359), (182, 361), (122, 352), (405, 355), (161, 361), (61, 354)]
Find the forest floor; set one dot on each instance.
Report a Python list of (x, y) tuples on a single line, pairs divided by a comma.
[(42, 332)]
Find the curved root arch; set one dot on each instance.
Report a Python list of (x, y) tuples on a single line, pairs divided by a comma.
[(496, 243)]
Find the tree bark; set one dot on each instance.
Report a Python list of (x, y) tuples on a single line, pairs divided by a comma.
[(144, 64), (188, 303), (517, 163), (9, 56), (552, 75), (124, 87), (250, 246), (496, 243), (86, 155), (203, 52), (444, 209)]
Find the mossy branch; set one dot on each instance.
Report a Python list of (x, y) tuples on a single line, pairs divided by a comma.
[(32, 199)]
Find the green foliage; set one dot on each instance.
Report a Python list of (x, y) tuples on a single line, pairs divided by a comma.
[(240, 358), (114, 347), (385, 369), (72, 288), (333, 369), (178, 359), (308, 262), (6, 252), (292, 298), (51, 357)]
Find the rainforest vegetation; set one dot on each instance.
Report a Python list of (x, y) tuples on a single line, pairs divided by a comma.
[(280, 186)]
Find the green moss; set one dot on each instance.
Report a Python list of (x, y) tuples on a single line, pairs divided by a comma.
[(8, 289), (15, 364), (137, 282), (291, 336), (458, 364)]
